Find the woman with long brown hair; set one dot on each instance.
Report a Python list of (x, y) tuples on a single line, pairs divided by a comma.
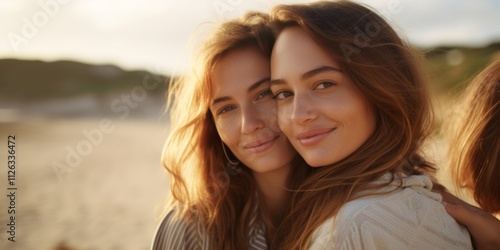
[(228, 161), (474, 157), (352, 100)]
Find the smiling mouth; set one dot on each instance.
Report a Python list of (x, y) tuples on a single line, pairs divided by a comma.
[(260, 146), (314, 136)]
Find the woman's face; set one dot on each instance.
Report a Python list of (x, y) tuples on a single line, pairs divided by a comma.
[(323, 114), (245, 112)]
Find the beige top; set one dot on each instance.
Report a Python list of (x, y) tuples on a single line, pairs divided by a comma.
[(173, 233), (410, 217)]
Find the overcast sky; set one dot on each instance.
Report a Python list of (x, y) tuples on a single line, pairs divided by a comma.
[(154, 34)]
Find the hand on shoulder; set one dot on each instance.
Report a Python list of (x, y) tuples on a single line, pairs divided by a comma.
[(483, 227)]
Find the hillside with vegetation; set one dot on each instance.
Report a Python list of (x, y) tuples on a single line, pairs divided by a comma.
[(27, 81), (450, 69), (67, 88)]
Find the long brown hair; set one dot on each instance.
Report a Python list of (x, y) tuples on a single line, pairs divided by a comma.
[(203, 189), (387, 71), (475, 139)]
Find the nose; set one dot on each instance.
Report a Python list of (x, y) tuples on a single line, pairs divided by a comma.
[(251, 121), (303, 109)]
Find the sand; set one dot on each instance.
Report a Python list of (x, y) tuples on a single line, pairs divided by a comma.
[(111, 199)]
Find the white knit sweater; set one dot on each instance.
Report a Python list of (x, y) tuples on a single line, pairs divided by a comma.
[(410, 217)]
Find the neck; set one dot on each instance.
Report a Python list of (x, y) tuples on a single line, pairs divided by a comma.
[(272, 186)]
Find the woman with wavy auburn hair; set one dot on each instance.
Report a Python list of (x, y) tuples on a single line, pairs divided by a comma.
[(475, 144), (353, 102), (228, 161), (474, 157)]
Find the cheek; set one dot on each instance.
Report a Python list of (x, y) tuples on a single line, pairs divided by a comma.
[(268, 112), (365, 114), (228, 130)]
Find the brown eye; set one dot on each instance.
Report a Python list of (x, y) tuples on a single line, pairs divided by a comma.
[(324, 85), (264, 93), (283, 94), (225, 109)]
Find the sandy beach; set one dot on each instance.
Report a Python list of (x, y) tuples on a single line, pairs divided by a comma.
[(112, 198)]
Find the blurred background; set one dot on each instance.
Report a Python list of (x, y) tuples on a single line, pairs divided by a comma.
[(82, 87)]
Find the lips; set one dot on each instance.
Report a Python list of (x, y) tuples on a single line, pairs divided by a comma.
[(313, 136), (260, 145)]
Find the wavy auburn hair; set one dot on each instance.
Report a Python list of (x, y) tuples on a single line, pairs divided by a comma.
[(387, 71), (474, 152), (200, 185)]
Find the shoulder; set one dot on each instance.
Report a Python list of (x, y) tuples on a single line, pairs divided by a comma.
[(176, 233), (410, 216)]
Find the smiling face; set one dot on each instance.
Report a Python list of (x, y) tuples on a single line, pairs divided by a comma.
[(245, 112), (323, 114)]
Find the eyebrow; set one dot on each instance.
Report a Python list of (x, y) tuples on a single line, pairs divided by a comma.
[(308, 74), (250, 89)]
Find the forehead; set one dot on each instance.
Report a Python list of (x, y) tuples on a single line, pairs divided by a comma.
[(295, 52), (239, 69)]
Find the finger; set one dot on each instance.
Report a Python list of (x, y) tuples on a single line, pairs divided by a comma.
[(451, 199), (462, 214)]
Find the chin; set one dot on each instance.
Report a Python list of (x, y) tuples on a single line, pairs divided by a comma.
[(315, 165), (317, 161), (263, 170), (268, 166)]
